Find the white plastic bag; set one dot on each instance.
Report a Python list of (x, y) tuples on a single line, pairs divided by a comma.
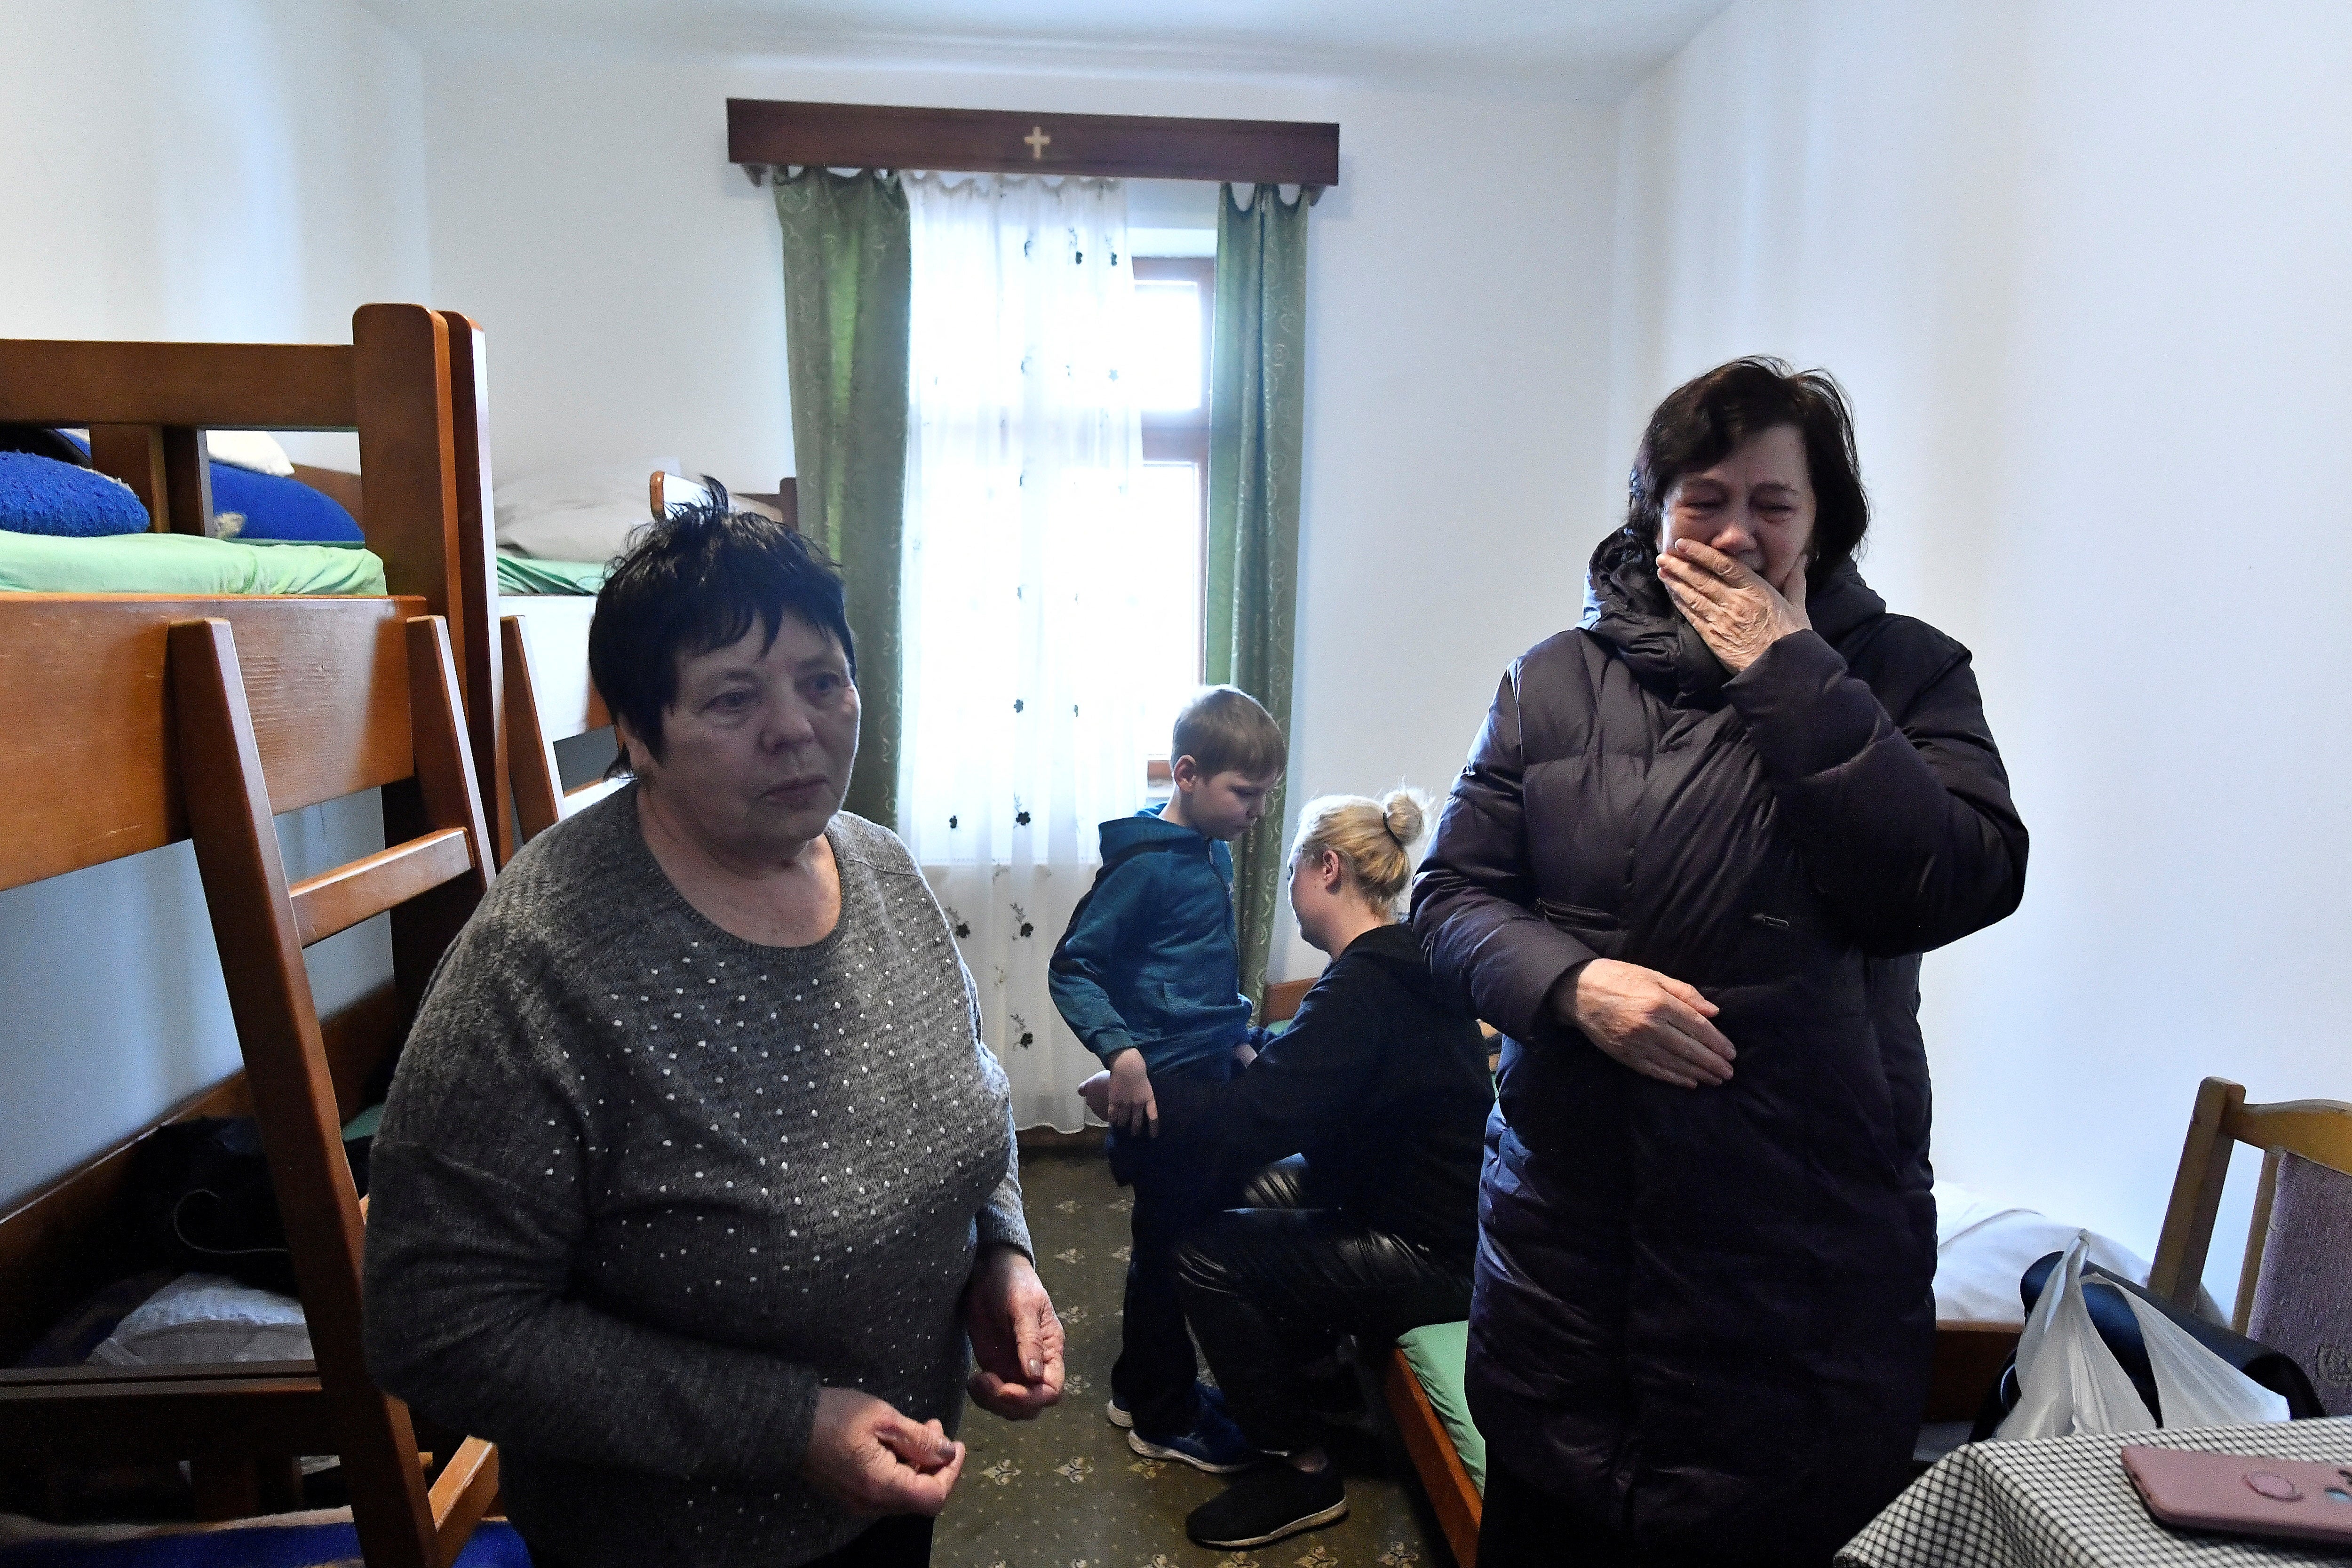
[(2068, 1380), (2196, 1387)]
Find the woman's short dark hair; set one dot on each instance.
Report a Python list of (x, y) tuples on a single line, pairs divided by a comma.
[(700, 580), (1702, 420)]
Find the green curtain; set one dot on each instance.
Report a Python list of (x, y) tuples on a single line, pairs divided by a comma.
[(846, 282), (1257, 414)]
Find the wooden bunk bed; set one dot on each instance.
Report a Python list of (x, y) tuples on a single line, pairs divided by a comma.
[(107, 765), (412, 382), (151, 719)]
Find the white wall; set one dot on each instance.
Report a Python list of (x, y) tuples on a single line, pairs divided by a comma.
[(630, 282), (2084, 266), (236, 169)]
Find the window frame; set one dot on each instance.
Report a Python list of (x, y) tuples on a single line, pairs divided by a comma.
[(1183, 437)]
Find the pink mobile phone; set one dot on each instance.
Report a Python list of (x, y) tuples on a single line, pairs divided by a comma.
[(2238, 1494)]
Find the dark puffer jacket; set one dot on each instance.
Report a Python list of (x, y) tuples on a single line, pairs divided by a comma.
[(1706, 1316)]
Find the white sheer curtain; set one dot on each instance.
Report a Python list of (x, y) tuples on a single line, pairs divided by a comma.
[(1023, 586)]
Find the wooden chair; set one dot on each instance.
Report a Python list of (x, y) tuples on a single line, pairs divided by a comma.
[(140, 723), (549, 699), (2318, 1130)]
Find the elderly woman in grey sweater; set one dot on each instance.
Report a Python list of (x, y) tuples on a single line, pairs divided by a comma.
[(695, 1182)]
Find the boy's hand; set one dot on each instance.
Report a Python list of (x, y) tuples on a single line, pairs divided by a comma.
[(1132, 1107), (1096, 1092)]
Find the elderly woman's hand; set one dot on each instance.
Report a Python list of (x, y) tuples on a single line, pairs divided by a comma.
[(867, 1457), (1650, 1022), (1016, 1339), (1736, 612)]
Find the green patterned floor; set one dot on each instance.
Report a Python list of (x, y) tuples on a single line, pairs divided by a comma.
[(1065, 1493)]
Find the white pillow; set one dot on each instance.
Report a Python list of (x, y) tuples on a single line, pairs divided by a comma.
[(200, 1320), (256, 450), (1984, 1246), (577, 514)]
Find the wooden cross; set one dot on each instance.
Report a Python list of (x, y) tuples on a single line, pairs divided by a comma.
[(1037, 142)]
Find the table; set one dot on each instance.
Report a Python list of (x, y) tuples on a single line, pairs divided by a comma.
[(2065, 1502)]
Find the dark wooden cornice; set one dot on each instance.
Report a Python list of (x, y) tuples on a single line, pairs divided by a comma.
[(763, 132)]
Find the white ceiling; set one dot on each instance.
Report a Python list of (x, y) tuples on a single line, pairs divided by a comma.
[(1578, 46)]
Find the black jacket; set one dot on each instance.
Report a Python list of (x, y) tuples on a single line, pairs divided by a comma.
[(1380, 1081), (1705, 1315)]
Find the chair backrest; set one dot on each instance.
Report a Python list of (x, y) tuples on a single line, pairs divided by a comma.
[(393, 720), (549, 699), (2318, 1130)]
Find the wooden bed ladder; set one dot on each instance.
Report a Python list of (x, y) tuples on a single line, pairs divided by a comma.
[(403, 730)]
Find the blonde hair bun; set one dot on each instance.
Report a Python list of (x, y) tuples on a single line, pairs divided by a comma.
[(1372, 837), (1406, 811)]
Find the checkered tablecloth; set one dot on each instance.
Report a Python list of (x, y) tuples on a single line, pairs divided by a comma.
[(2065, 1502)]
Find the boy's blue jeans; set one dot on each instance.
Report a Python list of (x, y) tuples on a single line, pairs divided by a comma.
[(1155, 1372)]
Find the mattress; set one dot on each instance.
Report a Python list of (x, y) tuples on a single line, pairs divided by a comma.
[(529, 574), (1435, 1353), (182, 564)]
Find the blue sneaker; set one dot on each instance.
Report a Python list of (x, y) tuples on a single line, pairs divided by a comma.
[(1214, 1443), (1124, 1419)]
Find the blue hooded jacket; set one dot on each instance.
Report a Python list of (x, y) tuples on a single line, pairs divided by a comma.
[(1150, 961)]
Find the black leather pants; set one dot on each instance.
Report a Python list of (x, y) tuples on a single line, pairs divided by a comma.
[(1270, 1287)]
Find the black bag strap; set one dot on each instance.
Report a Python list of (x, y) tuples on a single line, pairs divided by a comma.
[(1063, 965)]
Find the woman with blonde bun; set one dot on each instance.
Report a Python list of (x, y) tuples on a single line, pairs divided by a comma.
[(1380, 1090)]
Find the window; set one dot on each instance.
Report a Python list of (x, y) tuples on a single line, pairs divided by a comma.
[(1173, 321)]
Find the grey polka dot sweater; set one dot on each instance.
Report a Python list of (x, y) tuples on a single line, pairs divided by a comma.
[(642, 1188)]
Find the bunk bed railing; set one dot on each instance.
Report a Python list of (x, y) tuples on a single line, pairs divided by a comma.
[(412, 382)]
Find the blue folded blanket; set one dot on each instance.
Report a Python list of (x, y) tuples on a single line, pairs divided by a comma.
[(246, 505), (41, 495), (273, 507)]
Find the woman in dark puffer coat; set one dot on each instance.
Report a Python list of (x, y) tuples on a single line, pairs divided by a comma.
[(1689, 870)]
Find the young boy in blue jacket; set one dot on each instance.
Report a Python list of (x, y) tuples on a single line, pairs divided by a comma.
[(1148, 976)]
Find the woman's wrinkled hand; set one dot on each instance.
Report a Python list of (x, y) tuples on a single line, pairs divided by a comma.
[(1737, 612), (867, 1457), (1647, 1021), (1016, 1338)]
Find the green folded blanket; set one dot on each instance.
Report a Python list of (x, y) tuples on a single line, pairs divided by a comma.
[(529, 574), (182, 563), (1436, 1354)]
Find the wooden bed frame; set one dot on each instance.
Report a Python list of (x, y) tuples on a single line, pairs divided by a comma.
[(411, 384), (148, 718), (549, 698)]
